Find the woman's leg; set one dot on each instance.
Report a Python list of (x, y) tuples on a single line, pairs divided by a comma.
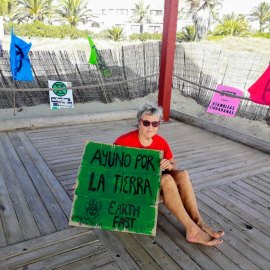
[(186, 191), (174, 203)]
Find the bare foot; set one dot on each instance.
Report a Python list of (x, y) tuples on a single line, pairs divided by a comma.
[(210, 231), (202, 237)]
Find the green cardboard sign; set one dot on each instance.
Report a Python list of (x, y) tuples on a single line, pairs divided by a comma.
[(117, 189)]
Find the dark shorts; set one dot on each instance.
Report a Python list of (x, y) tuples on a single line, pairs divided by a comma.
[(163, 172)]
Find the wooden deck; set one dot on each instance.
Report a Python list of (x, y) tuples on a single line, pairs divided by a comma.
[(39, 167)]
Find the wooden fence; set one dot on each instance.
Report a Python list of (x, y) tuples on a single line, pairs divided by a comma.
[(126, 63)]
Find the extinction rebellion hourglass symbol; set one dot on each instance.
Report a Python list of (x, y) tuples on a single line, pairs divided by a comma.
[(92, 208), (20, 56), (59, 93)]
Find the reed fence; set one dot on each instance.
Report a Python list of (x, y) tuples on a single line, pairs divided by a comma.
[(134, 73)]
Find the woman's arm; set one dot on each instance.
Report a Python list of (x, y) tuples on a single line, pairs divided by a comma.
[(169, 165)]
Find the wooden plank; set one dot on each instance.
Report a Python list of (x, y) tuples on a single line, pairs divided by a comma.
[(247, 204), (98, 261), (253, 170), (204, 158), (52, 249), (156, 252), (109, 266), (67, 172), (236, 234), (250, 198), (206, 258), (52, 159), (37, 243), (61, 259), (56, 188), (117, 251), (195, 140), (204, 144), (9, 223), (24, 215), (65, 167), (3, 241), (227, 150), (72, 176), (134, 248), (267, 174), (207, 152), (68, 182), (53, 150), (229, 168), (251, 189), (55, 212), (218, 161), (233, 172), (39, 211), (52, 216), (65, 159), (242, 219), (232, 252), (175, 247), (256, 182), (262, 180)]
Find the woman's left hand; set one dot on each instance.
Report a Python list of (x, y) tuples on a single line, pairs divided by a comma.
[(166, 164)]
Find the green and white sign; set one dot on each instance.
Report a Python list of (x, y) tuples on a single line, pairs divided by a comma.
[(117, 189), (62, 98)]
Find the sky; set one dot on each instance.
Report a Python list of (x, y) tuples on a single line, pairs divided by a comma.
[(239, 6)]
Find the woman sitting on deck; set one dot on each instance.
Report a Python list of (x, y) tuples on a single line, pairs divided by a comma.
[(176, 188)]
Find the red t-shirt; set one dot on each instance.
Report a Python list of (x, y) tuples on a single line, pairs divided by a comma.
[(131, 139)]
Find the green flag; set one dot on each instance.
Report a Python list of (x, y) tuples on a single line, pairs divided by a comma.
[(96, 59), (93, 56)]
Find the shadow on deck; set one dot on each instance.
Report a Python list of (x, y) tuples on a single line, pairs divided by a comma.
[(39, 167)]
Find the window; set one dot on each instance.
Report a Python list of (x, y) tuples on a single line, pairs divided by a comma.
[(135, 28), (122, 11), (154, 29), (156, 12), (103, 11)]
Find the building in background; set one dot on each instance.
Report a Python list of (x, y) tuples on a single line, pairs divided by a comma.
[(119, 13)]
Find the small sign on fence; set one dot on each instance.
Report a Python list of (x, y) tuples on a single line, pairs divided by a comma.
[(117, 189), (60, 99), (225, 105)]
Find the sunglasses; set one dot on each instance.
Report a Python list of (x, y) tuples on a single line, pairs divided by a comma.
[(147, 123)]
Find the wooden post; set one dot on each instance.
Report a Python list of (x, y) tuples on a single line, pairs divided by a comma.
[(167, 56), (102, 82), (14, 103)]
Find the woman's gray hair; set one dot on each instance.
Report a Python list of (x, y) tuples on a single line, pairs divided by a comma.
[(149, 108)]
